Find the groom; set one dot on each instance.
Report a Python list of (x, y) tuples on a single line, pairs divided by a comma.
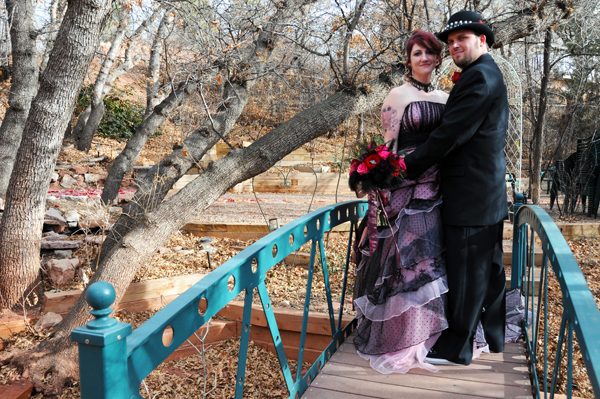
[(469, 146)]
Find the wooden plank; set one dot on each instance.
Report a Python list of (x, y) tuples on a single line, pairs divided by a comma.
[(291, 352), (217, 331), (413, 387), (11, 323), (16, 389), (159, 287), (314, 392), (287, 319), (291, 338), (149, 295)]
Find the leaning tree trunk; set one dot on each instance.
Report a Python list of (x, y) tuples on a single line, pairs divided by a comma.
[(24, 84), (160, 179), (143, 240), (126, 159), (21, 229), (538, 132)]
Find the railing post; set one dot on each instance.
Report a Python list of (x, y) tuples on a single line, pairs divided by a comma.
[(102, 348), (517, 252)]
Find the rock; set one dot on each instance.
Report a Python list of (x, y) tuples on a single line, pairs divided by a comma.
[(54, 216), (54, 177), (79, 170), (91, 177), (46, 321), (97, 240), (72, 218), (83, 276), (286, 304), (63, 172), (71, 244), (68, 182), (176, 249), (52, 236), (92, 160), (307, 169), (92, 221), (326, 169), (63, 253), (62, 271)]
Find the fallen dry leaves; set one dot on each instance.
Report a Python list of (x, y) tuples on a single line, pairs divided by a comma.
[(587, 254)]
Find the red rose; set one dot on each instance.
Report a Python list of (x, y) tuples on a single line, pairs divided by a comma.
[(395, 167), (372, 161)]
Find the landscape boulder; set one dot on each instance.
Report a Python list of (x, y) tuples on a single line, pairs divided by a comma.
[(62, 271), (46, 321)]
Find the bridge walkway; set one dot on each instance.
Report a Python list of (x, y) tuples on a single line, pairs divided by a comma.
[(494, 375)]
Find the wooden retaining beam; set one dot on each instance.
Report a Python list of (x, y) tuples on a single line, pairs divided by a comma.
[(289, 322)]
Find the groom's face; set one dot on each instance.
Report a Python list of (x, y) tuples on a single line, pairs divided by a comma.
[(465, 47)]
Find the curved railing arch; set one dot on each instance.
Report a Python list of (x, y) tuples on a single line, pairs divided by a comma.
[(580, 313), (108, 350)]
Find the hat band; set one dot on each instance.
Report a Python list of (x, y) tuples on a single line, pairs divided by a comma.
[(460, 23)]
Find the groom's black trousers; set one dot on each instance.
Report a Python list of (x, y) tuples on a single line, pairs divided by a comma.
[(476, 281)]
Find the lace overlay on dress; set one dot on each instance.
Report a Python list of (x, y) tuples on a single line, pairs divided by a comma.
[(400, 302)]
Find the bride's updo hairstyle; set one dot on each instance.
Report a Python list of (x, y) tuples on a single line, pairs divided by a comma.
[(428, 41)]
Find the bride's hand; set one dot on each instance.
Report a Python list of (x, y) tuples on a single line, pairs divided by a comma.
[(360, 193)]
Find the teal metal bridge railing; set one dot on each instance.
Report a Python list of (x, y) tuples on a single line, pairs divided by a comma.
[(579, 311), (113, 360)]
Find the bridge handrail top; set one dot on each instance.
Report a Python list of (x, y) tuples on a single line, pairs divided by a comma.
[(180, 304), (577, 297)]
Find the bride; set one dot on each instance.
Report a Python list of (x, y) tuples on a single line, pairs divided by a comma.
[(400, 287)]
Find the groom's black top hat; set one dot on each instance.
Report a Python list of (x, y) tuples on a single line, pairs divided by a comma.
[(466, 20)]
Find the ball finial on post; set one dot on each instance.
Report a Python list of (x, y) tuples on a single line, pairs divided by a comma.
[(100, 296)]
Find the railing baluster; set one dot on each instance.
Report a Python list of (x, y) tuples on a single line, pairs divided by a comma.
[(561, 334), (345, 282), (244, 336), (327, 287), (570, 361), (545, 264), (270, 315), (309, 279)]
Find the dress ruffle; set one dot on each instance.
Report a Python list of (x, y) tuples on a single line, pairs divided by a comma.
[(400, 303)]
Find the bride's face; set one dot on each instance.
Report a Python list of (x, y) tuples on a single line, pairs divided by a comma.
[(422, 60)]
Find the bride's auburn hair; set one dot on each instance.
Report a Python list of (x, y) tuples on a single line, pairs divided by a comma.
[(428, 41)]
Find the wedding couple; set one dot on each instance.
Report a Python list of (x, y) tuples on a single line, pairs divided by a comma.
[(437, 271)]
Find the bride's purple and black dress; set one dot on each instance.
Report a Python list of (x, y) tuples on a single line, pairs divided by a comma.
[(399, 290)]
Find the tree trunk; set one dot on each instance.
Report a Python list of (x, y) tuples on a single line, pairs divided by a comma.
[(164, 28), (21, 228), (24, 84), (84, 140), (159, 180), (126, 159), (84, 143), (538, 132)]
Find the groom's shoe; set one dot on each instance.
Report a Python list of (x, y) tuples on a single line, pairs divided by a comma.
[(435, 358)]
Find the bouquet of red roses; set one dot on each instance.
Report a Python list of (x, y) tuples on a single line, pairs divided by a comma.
[(375, 167)]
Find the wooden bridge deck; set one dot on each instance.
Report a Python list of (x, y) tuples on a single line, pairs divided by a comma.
[(494, 375)]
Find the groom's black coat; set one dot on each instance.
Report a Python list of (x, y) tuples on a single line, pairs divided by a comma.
[(469, 146)]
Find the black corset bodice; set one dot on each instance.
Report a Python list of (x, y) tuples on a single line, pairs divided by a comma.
[(419, 119)]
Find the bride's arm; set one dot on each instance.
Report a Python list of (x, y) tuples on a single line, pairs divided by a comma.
[(391, 112)]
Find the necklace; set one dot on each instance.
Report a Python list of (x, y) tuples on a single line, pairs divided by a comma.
[(426, 87)]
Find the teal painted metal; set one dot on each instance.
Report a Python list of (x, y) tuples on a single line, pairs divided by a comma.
[(101, 347), (580, 313), (136, 355)]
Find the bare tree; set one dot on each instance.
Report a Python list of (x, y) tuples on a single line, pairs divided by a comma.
[(24, 83), (22, 220)]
